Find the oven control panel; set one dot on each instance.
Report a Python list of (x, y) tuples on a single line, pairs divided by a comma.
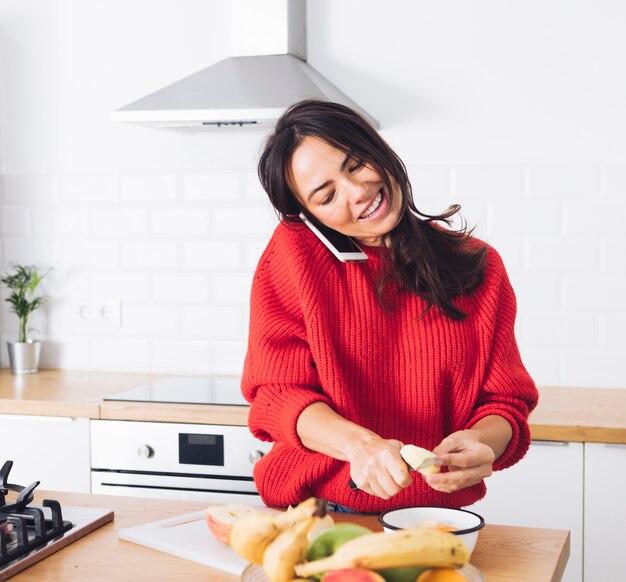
[(216, 450)]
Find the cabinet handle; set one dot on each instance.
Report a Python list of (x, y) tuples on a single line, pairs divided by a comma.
[(615, 445), (551, 443)]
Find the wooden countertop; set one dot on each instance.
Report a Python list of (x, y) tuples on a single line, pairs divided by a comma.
[(563, 414), (503, 553)]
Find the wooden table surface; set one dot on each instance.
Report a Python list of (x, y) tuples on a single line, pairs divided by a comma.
[(563, 414), (503, 553)]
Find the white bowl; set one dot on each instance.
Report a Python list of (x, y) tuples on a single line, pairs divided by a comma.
[(466, 522)]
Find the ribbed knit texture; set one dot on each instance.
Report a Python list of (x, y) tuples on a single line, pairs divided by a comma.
[(318, 333)]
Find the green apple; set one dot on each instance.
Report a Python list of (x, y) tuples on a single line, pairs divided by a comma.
[(408, 574), (329, 540)]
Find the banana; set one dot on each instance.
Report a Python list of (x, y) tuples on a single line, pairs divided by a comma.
[(286, 551), (252, 534), (409, 547)]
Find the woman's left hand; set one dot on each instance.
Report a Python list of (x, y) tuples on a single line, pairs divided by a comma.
[(468, 461)]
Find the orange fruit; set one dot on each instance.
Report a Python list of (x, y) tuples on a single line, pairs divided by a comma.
[(441, 575)]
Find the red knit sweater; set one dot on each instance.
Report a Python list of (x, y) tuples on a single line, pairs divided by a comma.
[(318, 333)]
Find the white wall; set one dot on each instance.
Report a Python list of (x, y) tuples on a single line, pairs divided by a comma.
[(515, 110)]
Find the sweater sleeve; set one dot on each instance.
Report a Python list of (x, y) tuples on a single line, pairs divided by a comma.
[(507, 388), (279, 377)]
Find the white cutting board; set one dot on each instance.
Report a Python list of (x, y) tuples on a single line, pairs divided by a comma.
[(187, 536)]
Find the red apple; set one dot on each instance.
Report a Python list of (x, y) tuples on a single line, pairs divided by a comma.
[(221, 518), (353, 575)]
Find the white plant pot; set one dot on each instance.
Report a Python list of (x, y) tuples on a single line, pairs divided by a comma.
[(24, 356)]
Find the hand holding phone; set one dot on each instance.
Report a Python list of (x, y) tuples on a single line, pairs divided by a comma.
[(341, 245)]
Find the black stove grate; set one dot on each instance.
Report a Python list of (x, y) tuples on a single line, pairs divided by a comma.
[(25, 527)]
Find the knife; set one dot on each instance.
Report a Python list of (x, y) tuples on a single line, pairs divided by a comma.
[(428, 462)]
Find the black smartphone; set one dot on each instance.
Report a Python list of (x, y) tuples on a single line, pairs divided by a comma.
[(341, 245)]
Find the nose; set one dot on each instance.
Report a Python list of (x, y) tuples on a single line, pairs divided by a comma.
[(356, 192)]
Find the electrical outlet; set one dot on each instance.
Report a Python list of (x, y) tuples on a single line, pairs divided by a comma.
[(98, 315)]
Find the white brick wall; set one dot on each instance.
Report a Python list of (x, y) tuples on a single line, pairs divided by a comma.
[(173, 224), (182, 266)]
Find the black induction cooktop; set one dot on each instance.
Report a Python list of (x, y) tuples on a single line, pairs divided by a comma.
[(187, 390)]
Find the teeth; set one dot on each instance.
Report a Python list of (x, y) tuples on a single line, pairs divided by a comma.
[(373, 206)]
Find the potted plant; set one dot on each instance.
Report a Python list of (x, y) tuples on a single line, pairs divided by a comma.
[(23, 281)]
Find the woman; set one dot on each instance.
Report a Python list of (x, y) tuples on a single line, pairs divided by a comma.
[(347, 362)]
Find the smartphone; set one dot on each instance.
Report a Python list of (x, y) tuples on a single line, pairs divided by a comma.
[(340, 245)]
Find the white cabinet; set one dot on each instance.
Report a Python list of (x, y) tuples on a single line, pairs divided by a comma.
[(545, 489), (605, 511), (50, 449)]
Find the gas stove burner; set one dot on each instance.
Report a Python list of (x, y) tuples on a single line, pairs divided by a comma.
[(25, 494), (25, 527), (30, 532)]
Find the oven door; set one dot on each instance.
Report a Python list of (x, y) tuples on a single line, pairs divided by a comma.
[(175, 487)]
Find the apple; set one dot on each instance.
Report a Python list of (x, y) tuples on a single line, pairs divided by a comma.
[(353, 575), (320, 525), (221, 518), (327, 543), (414, 456)]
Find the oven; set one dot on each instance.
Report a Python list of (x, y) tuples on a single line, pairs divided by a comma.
[(209, 463)]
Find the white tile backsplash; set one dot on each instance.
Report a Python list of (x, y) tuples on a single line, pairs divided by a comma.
[(561, 330), (15, 220), (27, 188), (564, 181), (113, 354), (181, 357), (570, 254), (180, 221), (615, 181), (228, 357), (182, 266), (149, 188), (150, 254), (210, 187), (212, 322), (228, 289), (172, 224), (83, 188), (240, 221), (180, 288), (120, 221), (59, 221), (150, 320), (89, 253), (127, 286), (210, 255)]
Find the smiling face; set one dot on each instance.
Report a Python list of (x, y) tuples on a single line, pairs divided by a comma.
[(343, 193)]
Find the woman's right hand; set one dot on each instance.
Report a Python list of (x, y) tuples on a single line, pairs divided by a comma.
[(377, 468)]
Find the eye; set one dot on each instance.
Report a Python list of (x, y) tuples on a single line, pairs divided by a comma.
[(358, 164), (328, 199)]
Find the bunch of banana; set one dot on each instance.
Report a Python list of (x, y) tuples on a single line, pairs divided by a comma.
[(280, 536), (377, 551)]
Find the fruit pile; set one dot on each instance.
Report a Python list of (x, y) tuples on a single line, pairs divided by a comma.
[(283, 545)]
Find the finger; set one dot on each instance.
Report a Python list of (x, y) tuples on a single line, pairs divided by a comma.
[(400, 475), (470, 458), (458, 478), (395, 443), (452, 442)]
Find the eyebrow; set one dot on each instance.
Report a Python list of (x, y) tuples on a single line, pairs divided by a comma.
[(328, 182)]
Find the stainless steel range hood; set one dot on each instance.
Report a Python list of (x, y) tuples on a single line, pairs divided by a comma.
[(248, 90)]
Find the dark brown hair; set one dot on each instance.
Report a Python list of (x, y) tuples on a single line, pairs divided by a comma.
[(432, 262)]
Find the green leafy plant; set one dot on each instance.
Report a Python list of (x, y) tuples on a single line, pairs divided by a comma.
[(23, 281)]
